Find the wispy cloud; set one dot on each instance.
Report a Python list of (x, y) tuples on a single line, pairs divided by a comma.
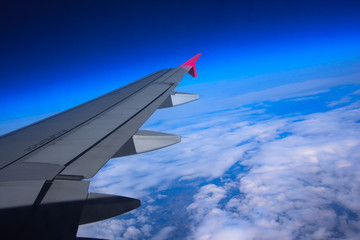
[(163, 234), (343, 100)]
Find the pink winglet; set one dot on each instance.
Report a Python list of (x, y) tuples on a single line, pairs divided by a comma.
[(190, 65)]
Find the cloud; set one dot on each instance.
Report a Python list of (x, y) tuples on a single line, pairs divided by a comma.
[(235, 92), (207, 143), (302, 186), (132, 233), (300, 179), (164, 233), (343, 100), (104, 229), (135, 227), (206, 200)]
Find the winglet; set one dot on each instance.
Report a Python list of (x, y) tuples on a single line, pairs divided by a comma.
[(190, 65)]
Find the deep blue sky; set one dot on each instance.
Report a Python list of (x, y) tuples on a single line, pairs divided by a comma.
[(56, 54)]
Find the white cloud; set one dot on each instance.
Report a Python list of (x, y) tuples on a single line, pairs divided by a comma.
[(294, 186), (163, 233), (343, 100), (357, 92), (227, 94), (105, 229), (146, 229), (132, 233), (206, 200), (218, 144), (137, 227), (303, 186)]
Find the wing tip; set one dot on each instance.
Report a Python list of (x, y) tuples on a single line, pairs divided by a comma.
[(190, 65)]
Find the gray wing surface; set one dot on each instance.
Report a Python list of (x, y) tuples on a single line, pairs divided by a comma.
[(44, 166)]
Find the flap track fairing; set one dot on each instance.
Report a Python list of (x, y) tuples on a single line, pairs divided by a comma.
[(146, 141), (179, 98)]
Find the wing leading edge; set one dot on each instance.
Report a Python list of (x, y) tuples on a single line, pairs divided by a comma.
[(44, 166)]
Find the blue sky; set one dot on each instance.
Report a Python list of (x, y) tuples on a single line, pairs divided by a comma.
[(53, 54), (271, 148)]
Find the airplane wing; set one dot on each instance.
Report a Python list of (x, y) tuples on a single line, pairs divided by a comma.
[(44, 166)]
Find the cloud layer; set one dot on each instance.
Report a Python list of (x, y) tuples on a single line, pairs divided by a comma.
[(256, 174), (302, 186)]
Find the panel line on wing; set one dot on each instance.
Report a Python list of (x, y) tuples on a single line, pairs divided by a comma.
[(89, 119), (67, 164), (80, 139)]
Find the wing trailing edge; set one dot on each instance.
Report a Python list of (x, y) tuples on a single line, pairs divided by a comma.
[(146, 141)]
